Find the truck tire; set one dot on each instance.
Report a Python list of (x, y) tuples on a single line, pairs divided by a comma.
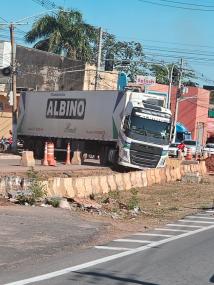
[(39, 149), (104, 156)]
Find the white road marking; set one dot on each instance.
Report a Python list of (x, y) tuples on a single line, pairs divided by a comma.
[(182, 225), (152, 235), (112, 248), (200, 217), (133, 240), (171, 230), (67, 270), (194, 221)]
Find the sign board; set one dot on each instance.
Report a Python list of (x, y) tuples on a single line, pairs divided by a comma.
[(146, 80)]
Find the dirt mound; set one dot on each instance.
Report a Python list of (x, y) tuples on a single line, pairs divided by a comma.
[(4, 202), (210, 163)]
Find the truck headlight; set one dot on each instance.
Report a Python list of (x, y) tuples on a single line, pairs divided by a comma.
[(124, 154)]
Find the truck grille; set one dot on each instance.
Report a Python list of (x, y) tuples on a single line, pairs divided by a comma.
[(145, 155)]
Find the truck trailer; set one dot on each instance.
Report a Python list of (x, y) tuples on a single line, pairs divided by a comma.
[(125, 128)]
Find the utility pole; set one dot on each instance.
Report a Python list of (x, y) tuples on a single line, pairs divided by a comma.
[(13, 77), (98, 58), (177, 99)]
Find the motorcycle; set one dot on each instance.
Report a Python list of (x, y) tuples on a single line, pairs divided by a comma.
[(5, 144)]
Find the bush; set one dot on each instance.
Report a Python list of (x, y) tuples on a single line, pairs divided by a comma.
[(36, 189), (134, 200)]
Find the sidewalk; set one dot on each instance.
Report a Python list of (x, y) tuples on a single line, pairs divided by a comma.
[(31, 234), (10, 164)]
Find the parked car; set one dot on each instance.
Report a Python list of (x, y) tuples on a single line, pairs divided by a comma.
[(194, 146), (208, 149), (173, 149)]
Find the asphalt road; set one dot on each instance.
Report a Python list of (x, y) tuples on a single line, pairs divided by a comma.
[(179, 253)]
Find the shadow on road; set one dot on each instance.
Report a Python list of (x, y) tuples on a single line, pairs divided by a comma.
[(212, 279), (97, 278)]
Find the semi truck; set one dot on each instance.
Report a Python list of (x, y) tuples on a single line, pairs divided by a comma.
[(121, 127)]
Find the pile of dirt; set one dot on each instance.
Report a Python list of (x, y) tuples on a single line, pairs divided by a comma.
[(210, 163), (4, 202)]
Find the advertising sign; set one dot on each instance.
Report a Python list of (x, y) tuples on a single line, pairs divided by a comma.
[(146, 80)]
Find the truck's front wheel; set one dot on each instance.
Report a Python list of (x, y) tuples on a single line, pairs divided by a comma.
[(104, 156)]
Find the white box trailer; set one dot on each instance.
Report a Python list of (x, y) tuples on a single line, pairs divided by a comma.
[(95, 122)]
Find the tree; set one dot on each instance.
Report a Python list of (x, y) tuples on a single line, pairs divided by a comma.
[(128, 56), (160, 72), (64, 32)]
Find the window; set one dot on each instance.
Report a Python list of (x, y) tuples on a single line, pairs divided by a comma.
[(211, 113)]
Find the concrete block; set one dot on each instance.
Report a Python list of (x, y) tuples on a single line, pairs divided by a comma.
[(53, 186), (133, 179), (111, 182), (162, 175), (104, 184), (168, 175), (88, 186), (153, 176), (173, 174), (149, 177), (79, 187), (119, 182), (127, 181), (144, 179), (157, 176), (76, 159), (96, 187), (138, 178), (192, 177), (69, 189), (27, 159), (202, 168)]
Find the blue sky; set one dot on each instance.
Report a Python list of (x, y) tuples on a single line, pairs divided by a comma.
[(167, 33)]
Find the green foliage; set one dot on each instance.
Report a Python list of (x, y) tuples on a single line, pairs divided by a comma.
[(134, 200), (54, 202), (64, 33), (124, 51), (36, 189), (160, 72), (115, 195), (162, 76)]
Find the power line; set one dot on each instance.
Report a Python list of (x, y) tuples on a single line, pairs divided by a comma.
[(46, 4), (3, 19), (188, 4), (177, 7)]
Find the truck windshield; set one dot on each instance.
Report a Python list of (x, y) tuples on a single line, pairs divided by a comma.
[(150, 128)]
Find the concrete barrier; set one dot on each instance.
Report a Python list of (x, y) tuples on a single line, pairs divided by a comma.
[(84, 186), (119, 181), (127, 181), (104, 184), (27, 159), (96, 187)]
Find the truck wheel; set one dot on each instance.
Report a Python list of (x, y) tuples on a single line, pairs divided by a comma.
[(104, 156), (39, 150)]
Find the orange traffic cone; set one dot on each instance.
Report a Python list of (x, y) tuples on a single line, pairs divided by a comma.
[(68, 155), (189, 154), (45, 160), (50, 155)]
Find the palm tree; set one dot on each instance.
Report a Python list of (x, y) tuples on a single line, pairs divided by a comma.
[(66, 32)]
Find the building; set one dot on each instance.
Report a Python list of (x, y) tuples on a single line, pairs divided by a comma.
[(193, 111)]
